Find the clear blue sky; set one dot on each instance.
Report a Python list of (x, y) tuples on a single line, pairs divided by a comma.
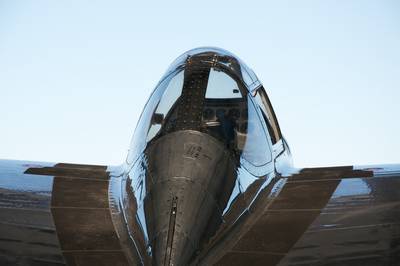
[(74, 75)]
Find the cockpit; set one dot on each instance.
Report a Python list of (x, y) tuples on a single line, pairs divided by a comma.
[(208, 90)]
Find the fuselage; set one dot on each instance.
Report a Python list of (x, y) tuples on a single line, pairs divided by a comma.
[(207, 142)]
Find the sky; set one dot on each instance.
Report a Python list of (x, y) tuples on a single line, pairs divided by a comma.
[(75, 75)]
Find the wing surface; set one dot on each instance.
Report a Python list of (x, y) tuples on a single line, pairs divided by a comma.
[(57, 214), (322, 216)]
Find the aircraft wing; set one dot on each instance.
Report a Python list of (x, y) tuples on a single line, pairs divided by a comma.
[(56, 214), (321, 216)]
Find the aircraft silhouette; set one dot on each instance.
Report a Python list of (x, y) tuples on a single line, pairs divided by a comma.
[(208, 180)]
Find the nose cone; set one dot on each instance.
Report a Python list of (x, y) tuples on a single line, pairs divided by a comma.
[(186, 171)]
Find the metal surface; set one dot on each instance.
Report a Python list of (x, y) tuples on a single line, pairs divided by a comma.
[(56, 214), (27, 231), (201, 150), (175, 198), (358, 226), (208, 180)]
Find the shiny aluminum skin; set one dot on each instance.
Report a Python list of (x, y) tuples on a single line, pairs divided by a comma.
[(185, 187)]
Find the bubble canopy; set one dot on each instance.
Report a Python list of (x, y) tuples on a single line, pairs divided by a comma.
[(207, 90), (223, 58)]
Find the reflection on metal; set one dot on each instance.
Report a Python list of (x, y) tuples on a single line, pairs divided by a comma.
[(194, 177), (351, 187), (204, 184), (27, 231)]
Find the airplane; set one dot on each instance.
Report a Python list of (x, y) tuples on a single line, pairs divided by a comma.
[(208, 180)]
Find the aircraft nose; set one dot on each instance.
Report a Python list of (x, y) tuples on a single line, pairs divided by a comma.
[(186, 172)]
